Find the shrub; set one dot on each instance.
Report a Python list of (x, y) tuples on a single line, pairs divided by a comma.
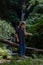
[(6, 29)]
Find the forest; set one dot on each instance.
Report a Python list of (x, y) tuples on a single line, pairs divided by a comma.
[(12, 12)]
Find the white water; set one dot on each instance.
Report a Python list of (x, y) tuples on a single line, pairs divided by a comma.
[(22, 15)]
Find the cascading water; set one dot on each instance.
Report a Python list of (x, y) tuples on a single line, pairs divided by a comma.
[(23, 11), (22, 15)]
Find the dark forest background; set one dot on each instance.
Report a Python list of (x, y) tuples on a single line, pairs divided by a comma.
[(11, 12)]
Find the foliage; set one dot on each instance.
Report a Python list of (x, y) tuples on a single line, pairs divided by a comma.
[(30, 61), (36, 40), (36, 1), (35, 15), (35, 25), (10, 10), (6, 29), (4, 51), (35, 19)]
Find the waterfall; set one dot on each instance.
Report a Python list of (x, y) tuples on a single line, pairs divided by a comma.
[(22, 15), (23, 12)]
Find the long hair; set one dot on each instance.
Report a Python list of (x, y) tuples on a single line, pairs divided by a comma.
[(21, 23)]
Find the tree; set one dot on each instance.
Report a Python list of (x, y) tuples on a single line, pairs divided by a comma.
[(10, 10)]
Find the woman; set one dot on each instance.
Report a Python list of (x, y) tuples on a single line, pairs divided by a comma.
[(20, 35)]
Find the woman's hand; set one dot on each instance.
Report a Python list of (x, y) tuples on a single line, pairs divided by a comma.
[(17, 39)]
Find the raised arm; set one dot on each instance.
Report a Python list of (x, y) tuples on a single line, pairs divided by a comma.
[(26, 33)]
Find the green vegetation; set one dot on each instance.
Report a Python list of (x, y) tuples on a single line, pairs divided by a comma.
[(36, 1), (30, 61), (10, 15), (35, 26), (6, 29), (5, 53)]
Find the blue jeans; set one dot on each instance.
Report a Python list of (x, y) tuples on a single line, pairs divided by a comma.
[(22, 49)]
